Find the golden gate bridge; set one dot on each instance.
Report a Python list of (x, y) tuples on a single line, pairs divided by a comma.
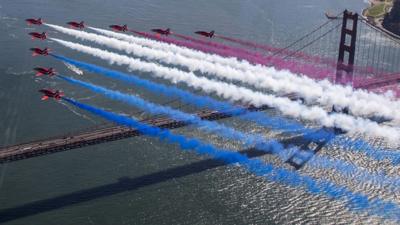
[(360, 58)]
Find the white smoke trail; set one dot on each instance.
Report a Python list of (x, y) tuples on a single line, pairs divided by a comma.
[(360, 102), (73, 68), (244, 95)]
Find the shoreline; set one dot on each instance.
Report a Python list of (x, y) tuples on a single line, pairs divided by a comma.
[(376, 22)]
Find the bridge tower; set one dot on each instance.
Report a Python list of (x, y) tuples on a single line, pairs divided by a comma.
[(347, 48)]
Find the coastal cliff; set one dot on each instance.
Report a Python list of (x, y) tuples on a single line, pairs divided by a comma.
[(391, 20)]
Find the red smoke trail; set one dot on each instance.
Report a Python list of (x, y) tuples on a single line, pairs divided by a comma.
[(300, 65), (370, 83), (275, 50), (218, 45), (292, 65), (269, 49), (296, 54), (227, 51), (395, 88), (276, 60)]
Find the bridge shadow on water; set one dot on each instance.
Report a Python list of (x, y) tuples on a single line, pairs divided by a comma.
[(126, 184)]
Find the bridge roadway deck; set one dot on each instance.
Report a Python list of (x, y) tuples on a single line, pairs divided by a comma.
[(98, 136)]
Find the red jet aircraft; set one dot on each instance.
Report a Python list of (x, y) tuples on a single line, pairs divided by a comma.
[(38, 51), (32, 21), (77, 25), (44, 71), (48, 93), (36, 35), (165, 32), (123, 28), (205, 34)]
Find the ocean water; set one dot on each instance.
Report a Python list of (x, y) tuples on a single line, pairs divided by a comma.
[(142, 180)]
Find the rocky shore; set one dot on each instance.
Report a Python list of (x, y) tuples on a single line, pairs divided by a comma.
[(391, 20), (385, 15)]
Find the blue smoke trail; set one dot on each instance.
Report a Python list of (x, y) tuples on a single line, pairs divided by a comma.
[(187, 97), (355, 201), (272, 146), (259, 118), (379, 178), (210, 126)]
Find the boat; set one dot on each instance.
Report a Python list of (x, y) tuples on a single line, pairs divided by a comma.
[(331, 16)]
